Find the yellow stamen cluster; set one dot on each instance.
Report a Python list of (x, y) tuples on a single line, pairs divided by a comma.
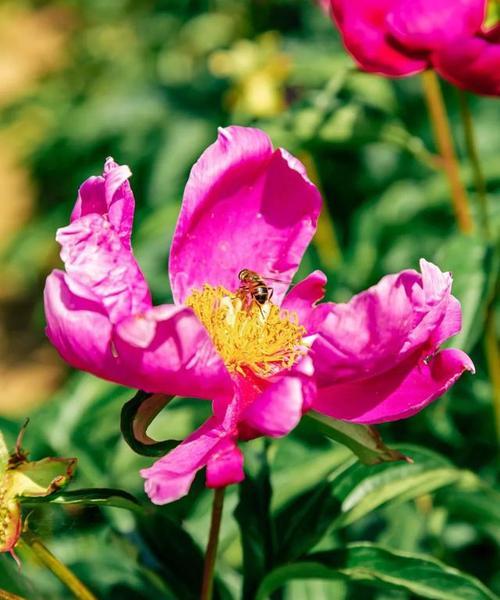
[(263, 339)]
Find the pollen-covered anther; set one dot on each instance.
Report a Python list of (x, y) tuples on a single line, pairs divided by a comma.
[(262, 339)]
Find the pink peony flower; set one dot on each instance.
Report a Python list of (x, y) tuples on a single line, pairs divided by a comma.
[(473, 62), (246, 205), (403, 37)]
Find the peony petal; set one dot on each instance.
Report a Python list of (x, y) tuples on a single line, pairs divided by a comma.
[(279, 408), (80, 329), (302, 298), (429, 299), (426, 25), (171, 477), (472, 64), (111, 196), (364, 30), (178, 360), (245, 206), (96, 260), (382, 325), (450, 325), (91, 199), (364, 336), (397, 394), (225, 465)]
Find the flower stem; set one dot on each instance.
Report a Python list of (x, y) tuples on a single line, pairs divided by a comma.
[(444, 141), (60, 570), (213, 541), (470, 144), (5, 595)]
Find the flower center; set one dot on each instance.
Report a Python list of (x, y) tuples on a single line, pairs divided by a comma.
[(259, 338)]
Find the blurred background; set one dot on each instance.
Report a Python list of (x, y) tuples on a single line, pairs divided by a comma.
[(148, 82)]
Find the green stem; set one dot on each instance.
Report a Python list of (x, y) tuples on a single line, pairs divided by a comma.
[(444, 141), (213, 541), (470, 144), (4, 595), (60, 570)]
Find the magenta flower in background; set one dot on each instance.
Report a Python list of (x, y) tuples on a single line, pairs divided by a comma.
[(246, 205), (473, 62), (397, 38)]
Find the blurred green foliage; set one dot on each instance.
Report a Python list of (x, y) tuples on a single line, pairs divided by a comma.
[(148, 83)]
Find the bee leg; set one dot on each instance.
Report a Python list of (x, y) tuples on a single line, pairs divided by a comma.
[(271, 292)]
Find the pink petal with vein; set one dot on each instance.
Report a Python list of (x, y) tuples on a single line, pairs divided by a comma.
[(171, 354), (96, 260), (245, 206), (109, 195), (171, 477), (304, 296), (397, 394), (382, 325), (80, 329)]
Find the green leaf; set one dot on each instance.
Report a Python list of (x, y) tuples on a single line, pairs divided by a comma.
[(179, 561), (474, 266), (479, 506), (254, 519), (136, 416), (92, 497), (492, 14), (361, 489), (376, 566), (304, 521), (352, 492), (313, 457), (363, 440)]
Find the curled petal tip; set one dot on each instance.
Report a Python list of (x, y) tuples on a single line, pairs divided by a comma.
[(224, 133), (469, 365), (109, 164)]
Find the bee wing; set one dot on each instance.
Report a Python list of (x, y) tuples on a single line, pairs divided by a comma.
[(275, 280)]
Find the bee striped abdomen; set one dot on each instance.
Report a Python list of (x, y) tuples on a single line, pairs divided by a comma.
[(253, 288)]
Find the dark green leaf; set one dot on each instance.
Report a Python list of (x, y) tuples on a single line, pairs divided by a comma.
[(254, 520), (174, 555), (136, 416), (303, 522), (91, 497), (373, 565), (355, 491)]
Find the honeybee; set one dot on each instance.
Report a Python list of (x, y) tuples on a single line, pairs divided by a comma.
[(253, 288)]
